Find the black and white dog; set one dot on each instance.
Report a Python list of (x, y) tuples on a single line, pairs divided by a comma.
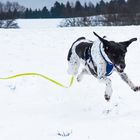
[(100, 58)]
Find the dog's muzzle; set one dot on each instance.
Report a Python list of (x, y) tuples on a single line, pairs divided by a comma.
[(120, 68)]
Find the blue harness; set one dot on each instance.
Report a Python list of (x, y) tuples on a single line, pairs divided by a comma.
[(109, 65)]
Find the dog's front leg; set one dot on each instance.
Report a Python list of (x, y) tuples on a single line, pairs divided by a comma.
[(129, 82), (108, 91), (101, 75)]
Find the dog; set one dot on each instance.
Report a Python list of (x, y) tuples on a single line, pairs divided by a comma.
[(100, 58)]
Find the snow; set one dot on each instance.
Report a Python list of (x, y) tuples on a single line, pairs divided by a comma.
[(39, 23), (35, 109)]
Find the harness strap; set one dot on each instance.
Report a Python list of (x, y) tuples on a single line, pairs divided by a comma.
[(93, 70), (109, 64)]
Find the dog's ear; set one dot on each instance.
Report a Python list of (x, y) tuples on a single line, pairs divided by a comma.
[(127, 43), (104, 41)]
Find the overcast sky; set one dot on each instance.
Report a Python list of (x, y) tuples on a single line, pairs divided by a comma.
[(49, 3)]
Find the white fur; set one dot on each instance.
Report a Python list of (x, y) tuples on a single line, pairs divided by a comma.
[(98, 59)]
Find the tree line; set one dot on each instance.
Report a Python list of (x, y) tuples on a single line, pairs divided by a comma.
[(60, 10), (115, 10), (11, 10)]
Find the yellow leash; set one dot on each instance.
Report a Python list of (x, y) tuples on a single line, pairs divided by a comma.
[(40, 75)]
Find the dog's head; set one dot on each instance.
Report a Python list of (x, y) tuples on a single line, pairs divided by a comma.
[(116, 51)]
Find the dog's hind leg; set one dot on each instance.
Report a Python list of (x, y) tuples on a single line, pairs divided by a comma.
[(73, 65), (129, 82), (80, 76)]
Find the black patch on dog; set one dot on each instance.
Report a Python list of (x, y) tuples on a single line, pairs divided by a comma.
[(93, 70), (80, 38), (70, 51), (83, 50), (69, 54)]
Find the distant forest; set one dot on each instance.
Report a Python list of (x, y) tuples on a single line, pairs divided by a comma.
[(123, 9)]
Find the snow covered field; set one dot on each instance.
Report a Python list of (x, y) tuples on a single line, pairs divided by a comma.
[(32, 108)]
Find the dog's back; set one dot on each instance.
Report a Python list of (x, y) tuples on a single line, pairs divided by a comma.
[(80, 47), (80, 50), (70, 51)]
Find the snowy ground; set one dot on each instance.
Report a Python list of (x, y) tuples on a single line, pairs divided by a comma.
[(32, 108)]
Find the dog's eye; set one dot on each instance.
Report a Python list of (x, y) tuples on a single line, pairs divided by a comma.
[(106, 48)]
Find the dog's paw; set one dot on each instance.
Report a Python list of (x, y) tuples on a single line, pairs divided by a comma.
[(137, 88), (79, 78), (107, 97)]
